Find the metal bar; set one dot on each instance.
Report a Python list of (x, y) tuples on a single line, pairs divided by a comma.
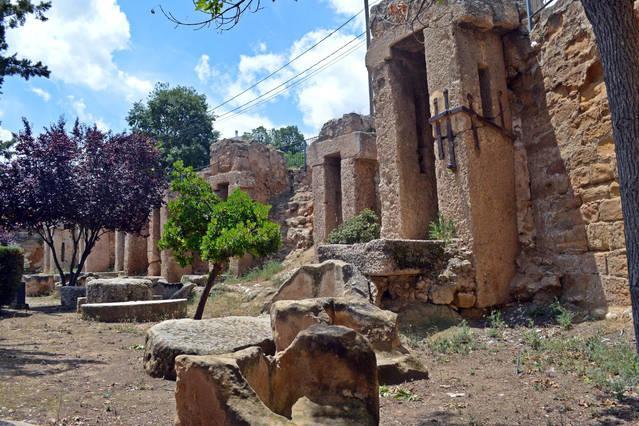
[(466, 110), (452, 160), (438, 131)]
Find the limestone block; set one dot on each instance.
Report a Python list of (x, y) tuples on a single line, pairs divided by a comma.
[(81, 301), (443, 294), (332, 366), (200, 280), (332, 278), (288, 318), (118, 290), (69, 296), (610, 210), (39, 284), (167, 340), (138, 311), (465, 300), (184, 292), (616, 290), (396, 368), (617, 263), (595, 193), (605, 236)]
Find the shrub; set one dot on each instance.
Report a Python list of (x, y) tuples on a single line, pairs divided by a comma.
[(11, 268), (360, 229), (442, 229)]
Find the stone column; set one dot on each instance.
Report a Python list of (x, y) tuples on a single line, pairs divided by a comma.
[(479, 195), (153, 252), (135, 254), (100, 258), (119, 251), (171, 269), (46, 259)]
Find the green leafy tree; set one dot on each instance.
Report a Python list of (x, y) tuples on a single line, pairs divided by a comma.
[(288, 138), (179, 120), (200, 222), (260, 135), (13, 14), (361, 228)]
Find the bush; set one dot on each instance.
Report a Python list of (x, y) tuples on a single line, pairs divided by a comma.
[(11, 268), (360, 229), (442, 229)]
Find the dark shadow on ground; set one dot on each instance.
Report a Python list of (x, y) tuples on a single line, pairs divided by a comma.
[(16, 362)]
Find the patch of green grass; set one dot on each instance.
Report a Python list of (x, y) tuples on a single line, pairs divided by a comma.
[(532, 336), (263, 273), (612, 366), (398, 393), (458, 340), (496, 324), (442, 229)]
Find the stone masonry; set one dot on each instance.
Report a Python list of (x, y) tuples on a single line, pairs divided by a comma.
[(345, 172)]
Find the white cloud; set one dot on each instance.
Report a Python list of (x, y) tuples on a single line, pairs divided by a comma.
[(347, 7), (242, 123), (78, 43), (80, 109), (42, 93), (203, 69), (5, 134)]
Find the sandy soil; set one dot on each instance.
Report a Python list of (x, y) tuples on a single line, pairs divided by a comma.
[(57, 369)]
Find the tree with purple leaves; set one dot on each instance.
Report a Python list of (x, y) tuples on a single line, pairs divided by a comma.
[(85, 181)]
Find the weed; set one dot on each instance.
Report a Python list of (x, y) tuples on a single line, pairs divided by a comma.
[(612, 366), (460, 341), (496, 323), (562, 315), (398, 393), (442, 229), (532, 336)]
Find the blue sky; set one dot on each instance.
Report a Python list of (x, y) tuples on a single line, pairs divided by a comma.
[(106, 54)]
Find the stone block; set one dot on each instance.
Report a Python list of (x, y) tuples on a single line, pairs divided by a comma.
[(118, 290), (332, 278), (617, 290), (69, 296), (610, 210), (332, 366), (617, 262), (138, 311), (465, 300), (443, 294), (81, 301), (39, 284), (168, 339)]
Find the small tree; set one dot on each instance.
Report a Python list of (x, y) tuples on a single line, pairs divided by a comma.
[(200, 222), (87, 182)]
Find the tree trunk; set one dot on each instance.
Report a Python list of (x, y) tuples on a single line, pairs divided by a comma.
[(217, 267), (617, 34)]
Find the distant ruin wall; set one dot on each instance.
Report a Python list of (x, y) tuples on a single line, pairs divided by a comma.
[(569, 210)]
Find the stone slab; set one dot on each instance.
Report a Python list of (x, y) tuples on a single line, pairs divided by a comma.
[(118, 290), (169, 339), (138, 311), (388, 257)]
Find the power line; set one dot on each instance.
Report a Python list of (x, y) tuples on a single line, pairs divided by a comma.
[(292, 78), (247, 107), (289, 62)]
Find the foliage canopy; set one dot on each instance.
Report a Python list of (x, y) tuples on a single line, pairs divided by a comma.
[(13, 14), (178, 119), (84, 181)]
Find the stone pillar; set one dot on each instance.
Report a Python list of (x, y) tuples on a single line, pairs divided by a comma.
[(479, 195), (46, 259), (135, 254), (404, 148), (153, 252), (119, 251), (359, 186), (171, 269), (100, 258), (239, 266)]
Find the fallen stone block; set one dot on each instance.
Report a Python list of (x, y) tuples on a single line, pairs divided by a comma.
[(332, 278), (199, 280), (184, 292), (327, 376), (169, 339), (394, 368), (111, 290), (39, 285), (81, 301), (288, 318), (69, 295), (138, 311)]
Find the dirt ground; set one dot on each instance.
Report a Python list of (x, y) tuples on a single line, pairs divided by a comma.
[(57, 369)]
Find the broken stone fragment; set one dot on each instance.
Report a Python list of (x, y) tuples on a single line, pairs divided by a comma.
[(327, 376)]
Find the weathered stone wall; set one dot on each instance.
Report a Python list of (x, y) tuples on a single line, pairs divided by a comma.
[(33, 247), (569, 211), (259, 169)]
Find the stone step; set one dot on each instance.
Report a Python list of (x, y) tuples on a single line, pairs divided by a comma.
[(138, 311)]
